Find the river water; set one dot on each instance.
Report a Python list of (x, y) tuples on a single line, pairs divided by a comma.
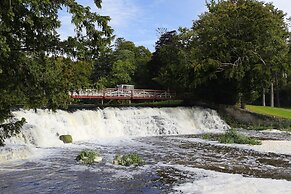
[(177, 159)]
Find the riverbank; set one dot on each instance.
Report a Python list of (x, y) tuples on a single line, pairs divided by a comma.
[(241, 118), (236, 117), (270, 111)]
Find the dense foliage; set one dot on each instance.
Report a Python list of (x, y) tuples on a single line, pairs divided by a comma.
[(33, 70), (238, 50), (234, 51), (128, 160), (10, 129), (126, 63)]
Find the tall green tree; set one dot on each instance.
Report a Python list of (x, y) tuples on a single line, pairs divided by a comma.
[(30, 73), (126, 63), (243, 41)]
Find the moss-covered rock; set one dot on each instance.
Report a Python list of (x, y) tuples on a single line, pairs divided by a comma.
[(66, 138), (89, 157), (128, 160)]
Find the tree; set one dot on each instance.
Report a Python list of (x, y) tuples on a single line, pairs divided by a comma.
[(30, 71), (237, 39), (166, 50), (125, 64), (141, 74)]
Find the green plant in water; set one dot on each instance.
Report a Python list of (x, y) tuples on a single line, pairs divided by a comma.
[(206, 136), (128, 160), (232, 136), (88, 157)]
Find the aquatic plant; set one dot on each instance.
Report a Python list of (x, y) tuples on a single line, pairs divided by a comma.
[(128, 160), (232, 136), (89, 157), (206, 136)]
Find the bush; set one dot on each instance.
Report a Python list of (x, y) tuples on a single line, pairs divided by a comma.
[(206, 136), (66, 138), (232, 136), (128, 160), (10, 129), (88, 157)]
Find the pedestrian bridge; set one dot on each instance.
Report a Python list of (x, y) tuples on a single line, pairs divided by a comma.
[(126, 94)]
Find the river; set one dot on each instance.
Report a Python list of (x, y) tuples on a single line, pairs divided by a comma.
[(177, 159)]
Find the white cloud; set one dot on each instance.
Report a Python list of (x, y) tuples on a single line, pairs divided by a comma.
[(122, 12)]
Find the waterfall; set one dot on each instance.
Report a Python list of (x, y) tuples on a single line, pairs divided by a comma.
[(44, 127)]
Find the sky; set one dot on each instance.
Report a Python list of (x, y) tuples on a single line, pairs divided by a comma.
[(138, 20)]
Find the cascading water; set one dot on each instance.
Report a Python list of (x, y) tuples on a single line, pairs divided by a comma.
[(173, 161), (43, 128)]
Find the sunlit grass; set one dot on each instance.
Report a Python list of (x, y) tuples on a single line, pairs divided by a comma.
[(272, 111)]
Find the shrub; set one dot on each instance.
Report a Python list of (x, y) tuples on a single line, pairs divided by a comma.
[(10, 129), (66, 138), (206, 136), (128, 160), (88, 157), (232, 136)]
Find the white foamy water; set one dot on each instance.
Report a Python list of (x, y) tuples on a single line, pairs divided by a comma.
[(44, 127), (279, 147), (15, 152), (210, 182)]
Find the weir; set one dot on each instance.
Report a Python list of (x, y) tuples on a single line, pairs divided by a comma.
[(44, 127), (47, 165)]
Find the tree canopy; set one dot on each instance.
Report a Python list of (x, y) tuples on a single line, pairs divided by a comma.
[(33, 71), (126, 63), (234, 50)]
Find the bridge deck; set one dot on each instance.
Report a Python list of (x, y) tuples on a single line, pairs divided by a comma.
[(117, 93)]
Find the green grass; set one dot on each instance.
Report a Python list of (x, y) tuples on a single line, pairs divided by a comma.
[(265, 110)]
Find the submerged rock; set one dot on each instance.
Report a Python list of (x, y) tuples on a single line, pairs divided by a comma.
[(66, 138)]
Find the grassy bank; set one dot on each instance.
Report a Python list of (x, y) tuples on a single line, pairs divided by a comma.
[(271, 111), (250, 119)]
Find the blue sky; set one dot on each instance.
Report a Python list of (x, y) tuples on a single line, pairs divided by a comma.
[(138, 20)]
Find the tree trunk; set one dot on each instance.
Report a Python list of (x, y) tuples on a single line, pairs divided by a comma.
[(242, 103), (264, 97), (278, 97), (277, 92), (272, 95)]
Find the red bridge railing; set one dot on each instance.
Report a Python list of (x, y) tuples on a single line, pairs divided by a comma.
[(117, 93)]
